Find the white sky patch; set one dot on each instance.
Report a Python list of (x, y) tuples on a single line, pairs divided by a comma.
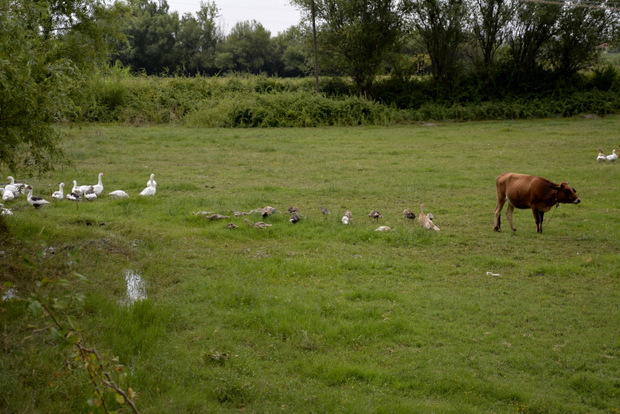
[(275, 15)]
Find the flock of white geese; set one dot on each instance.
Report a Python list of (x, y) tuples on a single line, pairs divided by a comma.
[(91, 192), (14, 190)]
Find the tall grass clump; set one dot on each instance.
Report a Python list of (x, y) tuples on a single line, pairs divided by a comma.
[(287, 110)]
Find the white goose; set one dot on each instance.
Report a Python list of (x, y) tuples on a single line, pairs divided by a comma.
[(98, 188), (148, 191), (151, 182), (90, 194), (36, 202), (72, 196), (151, 187), (119, 194), (7, 195), (612, 157), (60, 194), (14, 188), (601, 156), (76, 190)]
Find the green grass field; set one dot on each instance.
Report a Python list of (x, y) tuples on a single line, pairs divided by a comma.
[(318, 316)]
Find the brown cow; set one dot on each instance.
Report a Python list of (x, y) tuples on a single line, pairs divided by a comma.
[(528, 191)]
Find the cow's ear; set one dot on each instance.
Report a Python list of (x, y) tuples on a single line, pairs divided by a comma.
[(555, 186)]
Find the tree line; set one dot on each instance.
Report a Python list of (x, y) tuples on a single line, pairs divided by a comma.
[(363, 39)]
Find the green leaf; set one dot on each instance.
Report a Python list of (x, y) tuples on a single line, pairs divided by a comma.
[(36, 308), (120, 399)]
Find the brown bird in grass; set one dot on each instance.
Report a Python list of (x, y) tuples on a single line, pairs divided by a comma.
[(267, 211), (231, 226), (258, 224), (408, 214), (324, 211), (375, 214), (347, 217), (426, 221), (294, 218), (217, 217), (293, 209)]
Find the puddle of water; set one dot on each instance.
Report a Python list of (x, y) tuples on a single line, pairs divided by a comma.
[(136, 288)]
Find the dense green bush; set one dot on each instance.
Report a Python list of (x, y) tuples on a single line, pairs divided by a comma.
[(260, 101), (293, 109)]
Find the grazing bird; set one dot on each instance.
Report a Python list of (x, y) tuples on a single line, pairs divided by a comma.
[(76, 189), (119, 194), (601, 156), (258, 224), (148, 191), (151, 187), (294, 218), (5, 211), (217, 217), (612, 157), (231, 226), (16, 189), (426, 221), (90, 194), (324, 211), (203, 213), (7, 195), (383, 228), (375, 214), (151, 182), (72, 196), (293, 209), (98, 188), (36, 202), (60, 194), (347, 217), (267, 211), (84, 188), (408, 214)]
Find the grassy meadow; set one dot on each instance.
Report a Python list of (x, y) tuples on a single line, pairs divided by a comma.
[(318, 316)]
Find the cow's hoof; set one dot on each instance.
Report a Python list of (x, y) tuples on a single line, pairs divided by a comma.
[(497, 229)]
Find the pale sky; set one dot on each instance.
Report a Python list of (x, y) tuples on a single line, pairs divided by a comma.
[(275, 15)]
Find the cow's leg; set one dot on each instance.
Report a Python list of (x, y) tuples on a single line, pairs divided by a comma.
[(538, 217), (509, 210), (498, 212), (541, 217)]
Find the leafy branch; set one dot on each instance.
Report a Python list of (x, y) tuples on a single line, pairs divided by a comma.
[(104, 370)]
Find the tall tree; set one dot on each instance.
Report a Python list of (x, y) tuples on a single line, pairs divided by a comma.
[(533, 25), (441, 25), (356, 36), (489, 25), (46, 49), (248, 48), (197, 39), (579, 31), (152, 34)]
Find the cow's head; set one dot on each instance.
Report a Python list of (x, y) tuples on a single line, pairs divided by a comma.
[(566, 194)]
